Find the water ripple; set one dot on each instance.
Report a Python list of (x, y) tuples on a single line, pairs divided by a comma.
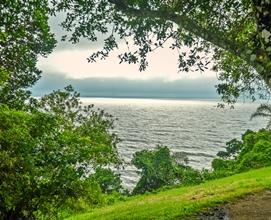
[(196, 128)]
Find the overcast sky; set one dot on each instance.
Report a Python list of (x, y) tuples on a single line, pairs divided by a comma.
[(107, 78)]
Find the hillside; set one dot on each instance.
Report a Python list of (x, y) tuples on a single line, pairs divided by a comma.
[(181, 202)]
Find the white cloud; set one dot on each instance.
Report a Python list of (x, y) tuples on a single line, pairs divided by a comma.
[(70, 61), (73, 63)]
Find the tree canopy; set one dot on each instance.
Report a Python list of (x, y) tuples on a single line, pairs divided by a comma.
[(251, 152), (231, 36), (24, 36), (49, 154), (53, 149)]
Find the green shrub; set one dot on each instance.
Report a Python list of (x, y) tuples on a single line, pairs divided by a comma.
[(160, 169), (108, 181), (46, 153), (157, 169), (188, 176), (259, 156), (253, 151)]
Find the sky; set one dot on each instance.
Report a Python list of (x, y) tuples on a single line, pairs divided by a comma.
[(67, 64)]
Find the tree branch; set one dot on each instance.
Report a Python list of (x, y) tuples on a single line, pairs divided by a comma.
[(214, 36), (252, 55)]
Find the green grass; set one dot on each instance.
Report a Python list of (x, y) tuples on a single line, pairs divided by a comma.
[(184, 201)]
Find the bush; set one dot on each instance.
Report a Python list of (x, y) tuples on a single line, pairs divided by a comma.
[(259, 156), (159, 169), (46, 154), (188, 176), (253, 151), (108, 181)]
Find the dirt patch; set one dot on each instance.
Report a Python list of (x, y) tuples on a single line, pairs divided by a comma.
[(252, 207), (217, 213)]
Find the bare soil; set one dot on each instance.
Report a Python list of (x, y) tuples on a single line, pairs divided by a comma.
[(252, 207)]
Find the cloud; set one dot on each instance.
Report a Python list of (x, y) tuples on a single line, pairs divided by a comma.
[(133, 88), (83, 44), (107, 78), (73, 63), (71, 60)]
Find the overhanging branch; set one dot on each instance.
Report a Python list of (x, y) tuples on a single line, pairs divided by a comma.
[(214, 36)]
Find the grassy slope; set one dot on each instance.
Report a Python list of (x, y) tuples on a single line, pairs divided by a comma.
[(180, 202)]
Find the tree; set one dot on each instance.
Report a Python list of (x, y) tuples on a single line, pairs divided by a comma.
[(24, 36), (264, 110), (252, 152), (48, 146), (158, 169), (46, 154), (232, 35)]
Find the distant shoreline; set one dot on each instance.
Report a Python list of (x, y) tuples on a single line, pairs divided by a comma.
[(214, 99), (154, 98), (170, 99)]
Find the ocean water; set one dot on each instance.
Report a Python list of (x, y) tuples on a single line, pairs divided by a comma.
[(196, 129)]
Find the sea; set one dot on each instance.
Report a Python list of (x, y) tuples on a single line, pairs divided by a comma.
[(194, 130)]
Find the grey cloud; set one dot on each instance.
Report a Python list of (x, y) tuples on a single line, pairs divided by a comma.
[(119, 87)]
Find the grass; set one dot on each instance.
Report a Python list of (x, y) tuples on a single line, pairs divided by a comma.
[(184, 201)]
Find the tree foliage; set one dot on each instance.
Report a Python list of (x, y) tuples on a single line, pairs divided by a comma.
[(49, 146), (108, 181), (24, 36), (233, 36), (253, 151), (48, 153), (158, 168), (264, 110)]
